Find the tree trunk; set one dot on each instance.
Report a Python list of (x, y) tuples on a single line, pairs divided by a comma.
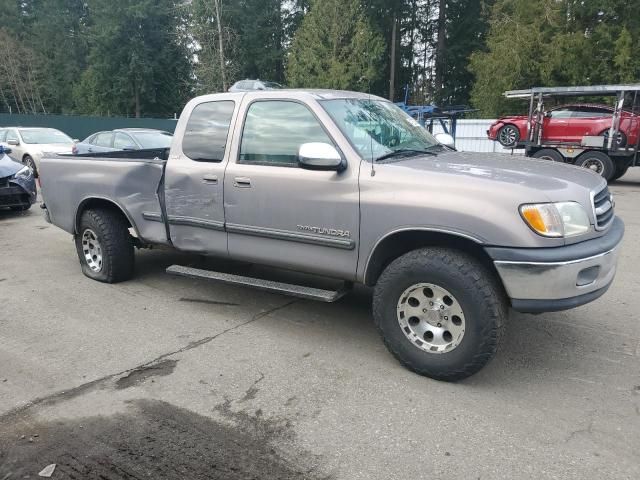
[(392, 70), (220, 45), (441, 47)]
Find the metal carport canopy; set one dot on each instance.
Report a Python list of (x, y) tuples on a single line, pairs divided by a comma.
[(598, 90)]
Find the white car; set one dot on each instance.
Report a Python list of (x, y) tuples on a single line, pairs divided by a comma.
[(28, 144)]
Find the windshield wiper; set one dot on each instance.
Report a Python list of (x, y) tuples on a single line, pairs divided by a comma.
[(403, 152)]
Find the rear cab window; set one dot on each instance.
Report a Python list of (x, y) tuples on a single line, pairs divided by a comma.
[(207, 130)]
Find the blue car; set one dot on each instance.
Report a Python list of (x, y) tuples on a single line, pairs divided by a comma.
[(17, 184)]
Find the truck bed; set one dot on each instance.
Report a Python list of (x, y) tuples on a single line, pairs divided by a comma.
[(129, 179)]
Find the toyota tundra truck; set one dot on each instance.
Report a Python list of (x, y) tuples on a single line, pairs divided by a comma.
[(347, 186)]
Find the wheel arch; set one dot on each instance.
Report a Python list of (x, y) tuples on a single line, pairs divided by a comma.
[(101, 202), (399, 242)]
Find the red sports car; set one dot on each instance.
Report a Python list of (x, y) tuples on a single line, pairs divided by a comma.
[(569, 124)]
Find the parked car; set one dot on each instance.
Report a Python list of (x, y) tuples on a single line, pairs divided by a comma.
[(249, 85), (28, 144), (124, 139), (346, 185), (568, 124), (17, 185)]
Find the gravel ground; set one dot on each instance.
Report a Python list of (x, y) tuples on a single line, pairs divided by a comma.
[(165, 377)]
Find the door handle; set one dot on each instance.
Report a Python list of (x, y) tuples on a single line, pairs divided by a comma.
[(242, 182), (210, 179)]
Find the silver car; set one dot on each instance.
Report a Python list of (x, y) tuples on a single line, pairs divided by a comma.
[(124, 139), (28, 144), (250, 85)]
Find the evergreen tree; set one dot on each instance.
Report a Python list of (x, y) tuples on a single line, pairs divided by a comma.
[(335, 47), (554, 42), (139, 63)]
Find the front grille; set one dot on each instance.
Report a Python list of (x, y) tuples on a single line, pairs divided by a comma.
[(13, 200), (603, 208)]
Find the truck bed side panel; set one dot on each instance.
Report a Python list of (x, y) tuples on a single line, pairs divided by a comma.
[(67, 182)]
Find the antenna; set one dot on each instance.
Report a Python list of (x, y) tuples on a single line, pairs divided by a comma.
[(373, 169)]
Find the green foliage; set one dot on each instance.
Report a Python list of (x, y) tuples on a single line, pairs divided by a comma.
[(554, 42), (335, 47), (138, 61)]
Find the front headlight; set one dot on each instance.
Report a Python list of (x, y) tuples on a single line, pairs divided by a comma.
[(24, 172), (561, 219)]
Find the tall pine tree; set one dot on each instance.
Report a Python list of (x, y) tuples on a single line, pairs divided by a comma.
[(335, 47)]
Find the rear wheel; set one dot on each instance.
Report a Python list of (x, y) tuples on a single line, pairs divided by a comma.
[(621, 138), (104, 246), (508, 136), (597, 162), (28, 161), (440, 313), (549, 154), (621, 169)]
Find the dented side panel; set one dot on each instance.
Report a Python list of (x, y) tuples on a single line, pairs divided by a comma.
[(68, 183)]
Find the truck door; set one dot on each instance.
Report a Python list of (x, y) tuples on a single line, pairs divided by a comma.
[(195, 173), (280, 214)]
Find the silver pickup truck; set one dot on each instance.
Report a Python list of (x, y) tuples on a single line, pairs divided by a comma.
[(347, 186)]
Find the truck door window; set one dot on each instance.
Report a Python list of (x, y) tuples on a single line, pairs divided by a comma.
[(275, 129), (205, 137)]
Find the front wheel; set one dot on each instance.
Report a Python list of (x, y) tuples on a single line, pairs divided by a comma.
[(28, 161), (104, 246), (440, 313), (508, 136)]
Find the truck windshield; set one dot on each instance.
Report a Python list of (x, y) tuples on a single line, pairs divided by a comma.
[(377, 128)]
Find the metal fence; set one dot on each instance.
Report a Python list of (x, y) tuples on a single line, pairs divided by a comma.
[(80, 127), (471, 136)]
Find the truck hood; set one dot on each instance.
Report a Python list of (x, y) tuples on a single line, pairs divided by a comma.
[(557, 181), (8, 167)]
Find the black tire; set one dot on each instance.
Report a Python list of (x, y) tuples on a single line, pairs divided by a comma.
[(28, 161), (111, 230), (21, 208), (598, 162), (549, 154), (621, 169), (508, 136), (478, 293), (621, 138)]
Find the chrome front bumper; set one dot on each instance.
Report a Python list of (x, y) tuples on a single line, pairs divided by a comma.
[(558, 280), (551, 279)]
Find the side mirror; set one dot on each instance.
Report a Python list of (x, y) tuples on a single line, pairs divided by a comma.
[(446, 140), (320, 156), (13, 142)]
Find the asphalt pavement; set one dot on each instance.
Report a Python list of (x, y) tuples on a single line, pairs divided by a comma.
[(167, 377)]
